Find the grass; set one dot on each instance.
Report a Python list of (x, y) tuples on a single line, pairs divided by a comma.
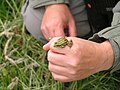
[(23, 63)]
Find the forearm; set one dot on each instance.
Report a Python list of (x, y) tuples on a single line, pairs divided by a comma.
[(107, 54), (112, 34)]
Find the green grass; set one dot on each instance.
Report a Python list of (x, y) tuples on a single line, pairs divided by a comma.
[(23, 63)]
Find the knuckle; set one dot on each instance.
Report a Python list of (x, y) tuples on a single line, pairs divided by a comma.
[(50, 57), (59, 79), (73, 72), (49, 67), (43, 27), (74, 68), (57, 22), (75, 64), (77, 47), (73, 21), (55, 77)]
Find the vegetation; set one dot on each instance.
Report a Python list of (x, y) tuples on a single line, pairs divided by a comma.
[(23, 63)]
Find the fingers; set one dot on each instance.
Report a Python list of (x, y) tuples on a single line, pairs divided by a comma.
[(61, 70), (60, 77), (59, 31), (72, 28), (57, 58), (48, 32), (60, 73)]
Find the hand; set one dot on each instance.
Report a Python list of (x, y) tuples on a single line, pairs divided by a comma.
[(81, 60), (57, 18)]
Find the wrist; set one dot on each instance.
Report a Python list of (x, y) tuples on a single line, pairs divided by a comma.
[(107, 55)]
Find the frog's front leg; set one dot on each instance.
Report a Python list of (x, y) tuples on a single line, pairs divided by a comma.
[(70, 43)]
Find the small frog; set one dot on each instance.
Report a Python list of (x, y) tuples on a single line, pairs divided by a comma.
[(62, 42)]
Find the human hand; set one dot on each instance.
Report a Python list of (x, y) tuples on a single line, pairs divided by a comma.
[(57, 18), (81, 60)]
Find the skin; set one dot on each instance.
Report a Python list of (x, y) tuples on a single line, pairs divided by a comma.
[(81, 60), (57, 18)]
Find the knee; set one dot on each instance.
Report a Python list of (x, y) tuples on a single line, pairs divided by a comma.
[(32, 19)]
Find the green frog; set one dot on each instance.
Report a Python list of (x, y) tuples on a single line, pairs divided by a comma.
[(62, 42)]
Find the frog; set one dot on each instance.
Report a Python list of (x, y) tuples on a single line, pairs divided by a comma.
[(62, 42)]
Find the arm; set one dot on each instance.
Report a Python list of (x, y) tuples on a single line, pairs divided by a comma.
[(85, 57), (113, 35)]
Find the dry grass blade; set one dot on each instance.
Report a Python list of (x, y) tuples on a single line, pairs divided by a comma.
[(6, 33), (13, 83), (7, 46), (3, 66)]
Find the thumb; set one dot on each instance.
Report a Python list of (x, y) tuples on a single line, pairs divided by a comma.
[(46, 47), (72, 28)]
